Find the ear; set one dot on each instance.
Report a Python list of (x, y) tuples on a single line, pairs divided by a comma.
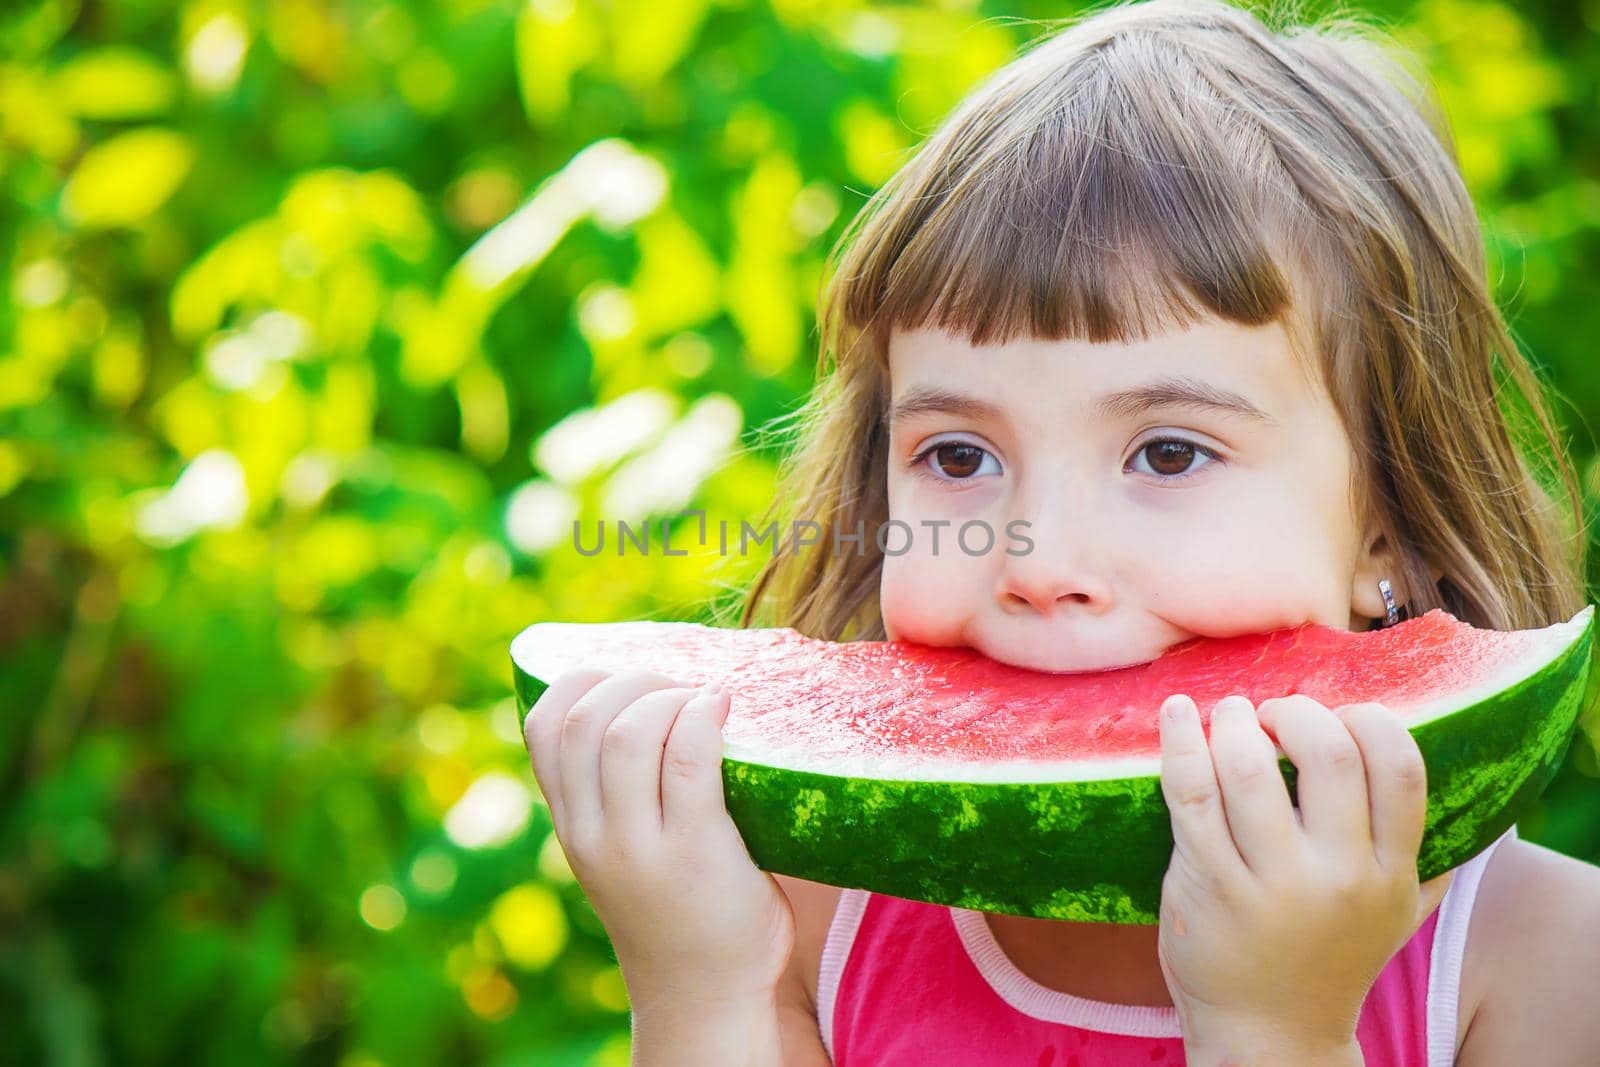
[(1376, 561)]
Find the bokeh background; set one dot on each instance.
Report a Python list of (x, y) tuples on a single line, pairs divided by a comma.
[(323, 320)]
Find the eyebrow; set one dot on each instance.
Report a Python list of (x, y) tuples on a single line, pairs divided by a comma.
[(1126, 403), (931, 400), (1181, 392)]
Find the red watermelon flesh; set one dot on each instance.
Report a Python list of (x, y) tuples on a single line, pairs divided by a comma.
[(894, 707)]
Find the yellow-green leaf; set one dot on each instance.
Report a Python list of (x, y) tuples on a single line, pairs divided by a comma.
[(124, 180), (115, 83)]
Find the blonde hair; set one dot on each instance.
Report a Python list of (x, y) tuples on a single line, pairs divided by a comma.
[(1160, 162)]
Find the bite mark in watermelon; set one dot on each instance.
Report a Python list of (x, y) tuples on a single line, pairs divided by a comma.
[(941, 775)]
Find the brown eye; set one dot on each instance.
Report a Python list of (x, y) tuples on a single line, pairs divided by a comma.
[(954, 460), (1174, 458), (958, 461), (1170, 457)]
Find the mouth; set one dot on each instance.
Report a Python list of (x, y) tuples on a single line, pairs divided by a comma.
[(1041, 663), (1066, 656), (1102, 670)]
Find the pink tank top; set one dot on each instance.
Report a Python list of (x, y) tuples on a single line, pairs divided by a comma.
[(907, 984)]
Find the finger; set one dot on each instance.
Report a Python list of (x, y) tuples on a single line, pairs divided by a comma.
[(1332, 780), (691, 764), (1189, 785), (1397, 782), (541, 732), (630, 763), (1254, 796), (581, 731)]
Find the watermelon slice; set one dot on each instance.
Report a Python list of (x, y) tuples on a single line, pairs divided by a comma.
[(941, 775)]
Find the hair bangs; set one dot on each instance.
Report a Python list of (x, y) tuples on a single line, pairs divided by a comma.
[(1110, 220)]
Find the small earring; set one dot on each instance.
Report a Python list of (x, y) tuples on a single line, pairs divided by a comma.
[(1388, 602)]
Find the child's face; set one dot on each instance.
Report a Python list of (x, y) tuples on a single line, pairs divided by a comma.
[(1246, 524)]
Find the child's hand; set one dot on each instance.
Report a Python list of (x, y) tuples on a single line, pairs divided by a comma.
[(1275, 923), (630, 765)]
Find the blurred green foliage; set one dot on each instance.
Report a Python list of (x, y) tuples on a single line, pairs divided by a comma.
[(323, 321)]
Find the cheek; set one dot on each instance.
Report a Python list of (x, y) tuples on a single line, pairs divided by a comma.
[(931, 585), (1246, 573), (923, 598)]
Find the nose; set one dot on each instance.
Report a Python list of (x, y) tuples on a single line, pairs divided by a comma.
[(1063, 567), (1050, 586)]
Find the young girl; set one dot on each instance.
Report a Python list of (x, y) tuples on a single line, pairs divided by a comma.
[(1205, 305)]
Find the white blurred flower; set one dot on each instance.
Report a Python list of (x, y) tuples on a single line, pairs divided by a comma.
[(539, 515), (665, 478), (216, 52), (592, 438), (492, 811), (239, 359), (209, 494), (610, 181)]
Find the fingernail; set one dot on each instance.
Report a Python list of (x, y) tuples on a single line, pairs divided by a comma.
[(1178, 708), (714, 689)]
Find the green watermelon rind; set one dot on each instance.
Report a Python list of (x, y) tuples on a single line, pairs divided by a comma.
[(1096, 850)]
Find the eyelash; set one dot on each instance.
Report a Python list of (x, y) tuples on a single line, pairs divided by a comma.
[(918, 462)]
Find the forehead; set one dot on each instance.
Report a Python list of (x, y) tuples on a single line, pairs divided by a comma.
[(1259, 362)]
